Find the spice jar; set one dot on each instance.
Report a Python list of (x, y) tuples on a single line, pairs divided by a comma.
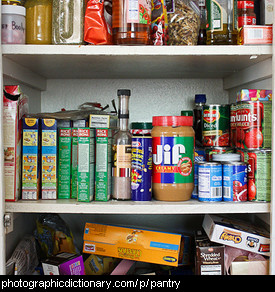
[(68, 19), (246, 14), (141, 162), (38, 21), (173, 158)]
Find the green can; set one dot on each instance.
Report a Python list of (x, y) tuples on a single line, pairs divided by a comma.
[(216, 125)]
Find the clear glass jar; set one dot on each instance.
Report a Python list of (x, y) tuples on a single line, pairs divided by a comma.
[(38, 21), (68, 21)]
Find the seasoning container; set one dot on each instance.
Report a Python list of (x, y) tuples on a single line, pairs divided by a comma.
[(141, 163), (67, 21), (246, 14), (13, 24), (121, 171), (173, 158), (131, 22), (38, 21)]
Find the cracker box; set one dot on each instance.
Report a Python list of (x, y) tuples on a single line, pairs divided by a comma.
[(49, 159), (64, 163), (133, 244), (237, 233), (30, 159), (209, 256), (74, 163), (84, 192), (254, 95), (15, 106), (103, 164), (63, 264)]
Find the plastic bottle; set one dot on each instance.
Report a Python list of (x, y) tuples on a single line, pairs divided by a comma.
[(200, 100), (131, 22), (246, 14)]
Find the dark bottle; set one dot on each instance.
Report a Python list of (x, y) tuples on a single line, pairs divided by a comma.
[(200, 100), (203, 20)]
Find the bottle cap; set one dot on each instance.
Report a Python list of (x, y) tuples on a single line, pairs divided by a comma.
[(200, 98), (142, 125), (14, 9), (187, 113), (174, 121), (124, 92)]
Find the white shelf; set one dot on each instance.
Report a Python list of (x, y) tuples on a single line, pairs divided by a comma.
[(138, 62), (130, 207)]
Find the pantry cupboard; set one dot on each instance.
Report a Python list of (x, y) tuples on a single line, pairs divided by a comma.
[(163, 81)]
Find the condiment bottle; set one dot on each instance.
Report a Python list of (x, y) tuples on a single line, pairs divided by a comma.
[(67, 21), (173, 158), (200, 100), (141, 162), (38, 21), (121, 171), (131, 22), (246, 14), (202, 31)]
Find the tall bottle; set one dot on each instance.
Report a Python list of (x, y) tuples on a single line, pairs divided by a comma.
[(121, 172), (200, 100), (202, 31), (131, 21)]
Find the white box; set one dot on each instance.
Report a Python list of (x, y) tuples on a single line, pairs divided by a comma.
[(242, 266)]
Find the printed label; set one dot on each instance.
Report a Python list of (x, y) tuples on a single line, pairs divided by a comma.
[(122, 160), (139, 11)]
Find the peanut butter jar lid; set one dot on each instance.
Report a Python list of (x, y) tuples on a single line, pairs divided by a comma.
[(173, 121)]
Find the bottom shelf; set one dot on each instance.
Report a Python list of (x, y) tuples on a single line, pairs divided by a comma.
[(131, 207)]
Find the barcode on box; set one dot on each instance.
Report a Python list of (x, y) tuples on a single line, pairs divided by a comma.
[(255, 34)]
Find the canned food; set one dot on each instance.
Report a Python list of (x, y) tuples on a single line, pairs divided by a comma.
[(209, 151), (216, 125), (226, 157), (258, 174), (233, 126), (253, 124), (235, 181), (209, 182)]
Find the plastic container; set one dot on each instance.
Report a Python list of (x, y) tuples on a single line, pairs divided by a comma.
[(173, 158), (13, 24), (38, 22)]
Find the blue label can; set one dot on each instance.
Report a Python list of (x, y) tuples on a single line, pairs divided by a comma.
[(199, 157), (235, 181), (209, 182), (141, 172)]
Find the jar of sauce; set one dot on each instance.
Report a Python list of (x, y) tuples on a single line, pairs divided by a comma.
[(173, 158), (38, 21)]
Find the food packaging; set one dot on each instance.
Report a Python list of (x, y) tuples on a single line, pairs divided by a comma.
[(254, 95), (255, 35), (183, 24)]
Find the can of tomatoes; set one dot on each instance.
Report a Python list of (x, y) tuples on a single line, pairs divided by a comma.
[(209, 151), (258, 173), (216, 125), (233, 109), (253, 124)]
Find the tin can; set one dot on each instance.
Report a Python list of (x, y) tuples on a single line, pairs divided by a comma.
[(258, 174), (209, 151), (233, 125), (199, 157), (235, 181), (253, 124), (216, 125), (141, 162), (209, 182)]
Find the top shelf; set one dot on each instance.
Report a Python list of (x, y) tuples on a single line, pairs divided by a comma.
[(131, 62)]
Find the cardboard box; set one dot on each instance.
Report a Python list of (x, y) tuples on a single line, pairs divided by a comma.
[(103, 121), (134, 244), (237, 233), (30, 159), (255, 35), (242, 266), (254, 95), (103, 164), (49, 159), (15, 106), (64, 163), (64, 264), (74, 163), (209, 256)]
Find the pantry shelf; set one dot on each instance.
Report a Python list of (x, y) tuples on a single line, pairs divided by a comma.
[(130, 207), (131, 62)]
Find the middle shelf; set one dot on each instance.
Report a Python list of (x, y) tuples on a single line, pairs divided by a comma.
[(131, 207)]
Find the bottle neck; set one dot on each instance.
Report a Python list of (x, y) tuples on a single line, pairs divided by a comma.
[(123, 124), (123, 112)]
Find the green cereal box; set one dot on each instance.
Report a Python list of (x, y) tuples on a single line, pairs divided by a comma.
[(103, 165), (64, 163), (74, 163), (30, 159), (84, 193), (49, 159)]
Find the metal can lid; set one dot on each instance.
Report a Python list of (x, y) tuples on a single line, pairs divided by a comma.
[(141, 125), (14, 9), (209, 163), (174, 121), (126, 92), (224, 157), (235, 163)]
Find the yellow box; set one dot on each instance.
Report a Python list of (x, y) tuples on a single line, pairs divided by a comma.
[(134, 244)]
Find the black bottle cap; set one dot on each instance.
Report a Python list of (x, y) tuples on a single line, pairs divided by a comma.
[(124, 92)]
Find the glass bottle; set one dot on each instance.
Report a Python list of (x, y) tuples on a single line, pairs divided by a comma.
[(200, 100), (202, 31), (131, 22), (68, 21), (12, 2), (121, 172), (38, 21)]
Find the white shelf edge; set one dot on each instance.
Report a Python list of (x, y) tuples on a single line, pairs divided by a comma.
[(130, 207)]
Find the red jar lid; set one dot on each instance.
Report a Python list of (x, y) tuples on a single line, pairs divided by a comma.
[(174, 121)]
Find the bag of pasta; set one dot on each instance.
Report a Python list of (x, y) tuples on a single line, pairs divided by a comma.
[(183, 24)]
